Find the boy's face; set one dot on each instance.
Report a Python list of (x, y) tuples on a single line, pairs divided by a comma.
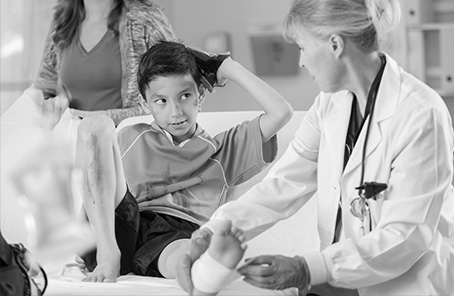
[(174, 103)]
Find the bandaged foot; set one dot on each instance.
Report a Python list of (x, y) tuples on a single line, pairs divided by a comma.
[(199, 243), (216, 267)]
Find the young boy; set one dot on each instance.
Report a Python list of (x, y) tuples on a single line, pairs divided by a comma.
[(147, 191)]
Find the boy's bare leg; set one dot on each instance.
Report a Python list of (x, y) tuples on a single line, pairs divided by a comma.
[(172, 254), (169, 257), (104, 187)]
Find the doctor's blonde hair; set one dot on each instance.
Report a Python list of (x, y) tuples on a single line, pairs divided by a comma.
[(364, 22)]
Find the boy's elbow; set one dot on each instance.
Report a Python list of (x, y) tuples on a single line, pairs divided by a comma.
[(272, 122), (285, 113)]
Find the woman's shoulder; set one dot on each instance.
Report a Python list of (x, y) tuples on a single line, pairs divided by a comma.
[(410, 90), (415, 94), (135, 4), (142, 9)]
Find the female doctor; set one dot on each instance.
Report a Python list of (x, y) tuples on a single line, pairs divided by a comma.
[(377, 149)]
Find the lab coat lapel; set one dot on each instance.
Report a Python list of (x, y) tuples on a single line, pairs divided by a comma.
[(385, 106), (336, 125)]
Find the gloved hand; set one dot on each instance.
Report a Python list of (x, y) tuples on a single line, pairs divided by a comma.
[(209, 64), (199, 243), (277, 272)]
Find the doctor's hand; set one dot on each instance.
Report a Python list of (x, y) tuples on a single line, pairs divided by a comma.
[(199, 243), (277, 272)]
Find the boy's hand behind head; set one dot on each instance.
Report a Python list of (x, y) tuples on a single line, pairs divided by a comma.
[(209, 64)]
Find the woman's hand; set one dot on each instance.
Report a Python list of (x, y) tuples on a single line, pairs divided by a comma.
[(81, 114), (52, 110), (276, 272), (54, 101)]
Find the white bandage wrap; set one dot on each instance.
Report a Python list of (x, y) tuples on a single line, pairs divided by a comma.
[(208, 275)]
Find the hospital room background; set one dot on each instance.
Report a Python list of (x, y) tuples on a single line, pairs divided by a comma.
[(250, 30)]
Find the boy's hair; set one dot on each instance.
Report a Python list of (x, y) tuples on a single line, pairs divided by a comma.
[(166, 58)]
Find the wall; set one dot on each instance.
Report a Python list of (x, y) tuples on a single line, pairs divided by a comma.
[(425, 60), (24, 27), (194, 20), (28, 20)]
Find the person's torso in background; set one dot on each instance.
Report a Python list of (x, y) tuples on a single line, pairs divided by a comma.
[(93, 77)]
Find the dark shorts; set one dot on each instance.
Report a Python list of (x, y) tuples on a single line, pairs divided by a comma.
[(328, 290), (142, 236)]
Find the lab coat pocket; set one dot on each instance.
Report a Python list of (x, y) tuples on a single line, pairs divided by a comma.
[(375, 209)]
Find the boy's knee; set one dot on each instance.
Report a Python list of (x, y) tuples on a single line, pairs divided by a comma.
[(99, 126)]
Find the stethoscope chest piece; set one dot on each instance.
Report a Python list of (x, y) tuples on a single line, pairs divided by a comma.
[(359, 207)]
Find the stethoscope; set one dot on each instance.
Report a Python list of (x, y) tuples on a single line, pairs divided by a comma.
[(359, 206)]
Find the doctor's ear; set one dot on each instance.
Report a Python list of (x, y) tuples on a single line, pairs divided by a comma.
[(336, 42), (144, 104)]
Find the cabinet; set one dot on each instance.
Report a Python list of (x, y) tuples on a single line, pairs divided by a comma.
[(429, 28), (273, 56)]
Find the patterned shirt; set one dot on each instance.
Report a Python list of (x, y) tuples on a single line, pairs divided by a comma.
[(142, 24)]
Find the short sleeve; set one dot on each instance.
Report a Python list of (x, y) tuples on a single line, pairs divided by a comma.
[(242, 152)]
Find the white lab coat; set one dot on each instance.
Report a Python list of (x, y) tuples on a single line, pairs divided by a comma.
[(410, 250)]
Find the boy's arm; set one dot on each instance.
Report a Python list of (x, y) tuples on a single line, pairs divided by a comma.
[(277, 110)]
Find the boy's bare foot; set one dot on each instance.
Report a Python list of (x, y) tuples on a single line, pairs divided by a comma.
[(200, 241), (227, 248), (108, 268)]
